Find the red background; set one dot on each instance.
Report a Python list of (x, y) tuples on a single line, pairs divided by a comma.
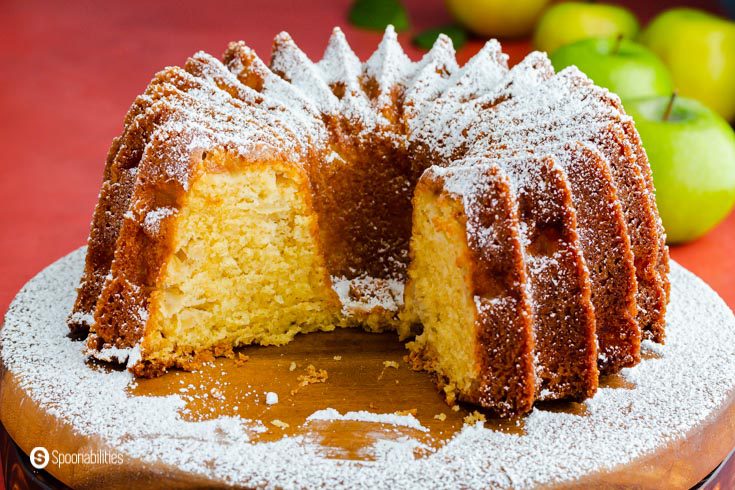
[(69, 70)]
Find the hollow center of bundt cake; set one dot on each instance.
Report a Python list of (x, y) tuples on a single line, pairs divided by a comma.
[(439, 295), (246, 267)]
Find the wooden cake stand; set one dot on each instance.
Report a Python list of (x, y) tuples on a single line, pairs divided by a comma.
[(342, 409)]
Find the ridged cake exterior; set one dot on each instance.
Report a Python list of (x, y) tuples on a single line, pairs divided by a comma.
[(503, 219)]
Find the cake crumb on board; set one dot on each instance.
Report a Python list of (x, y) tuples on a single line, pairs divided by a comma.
[(386, 365), (280, 424), (450, 393), (312, 376), (474, 418)]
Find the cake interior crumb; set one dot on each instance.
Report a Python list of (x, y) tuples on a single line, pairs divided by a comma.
[(474, 418)]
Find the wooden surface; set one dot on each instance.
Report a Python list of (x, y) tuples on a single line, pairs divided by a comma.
[(357, 371), (365, 372), (71, 69), (358, 380)]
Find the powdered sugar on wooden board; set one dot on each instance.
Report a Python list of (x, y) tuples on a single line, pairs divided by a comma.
[(365, 416), (693, 375)]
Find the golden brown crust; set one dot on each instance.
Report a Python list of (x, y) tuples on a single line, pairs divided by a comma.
[(242, 62), (652, 254), (191, 361), (655, 329), (505, 342), (648, 237), (119, 178), (608, 255), (642, 227), (564, 318), (606, 248), (505, 333), (122, 309)]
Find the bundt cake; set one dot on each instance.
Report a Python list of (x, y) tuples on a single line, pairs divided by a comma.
[(502, 220)]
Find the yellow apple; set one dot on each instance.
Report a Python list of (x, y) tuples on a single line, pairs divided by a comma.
[(501, 18), (699, 49), (569, 22)]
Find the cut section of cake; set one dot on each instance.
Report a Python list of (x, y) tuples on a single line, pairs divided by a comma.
[(502, 221), (467, 289)]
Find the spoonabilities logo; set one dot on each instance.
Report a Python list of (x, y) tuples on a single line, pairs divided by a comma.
[(39, 457)]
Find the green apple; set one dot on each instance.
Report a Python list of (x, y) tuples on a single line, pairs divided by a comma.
[(568, 22), (622, 66), (501, 18), (699, 50), (692, 155)]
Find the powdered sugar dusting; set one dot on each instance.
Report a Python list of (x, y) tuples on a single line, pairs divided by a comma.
[(696, 370), (692, 378), (364, 294), (365, 416), (81, 317), (152, 220), (289, 61), (388, 66)]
